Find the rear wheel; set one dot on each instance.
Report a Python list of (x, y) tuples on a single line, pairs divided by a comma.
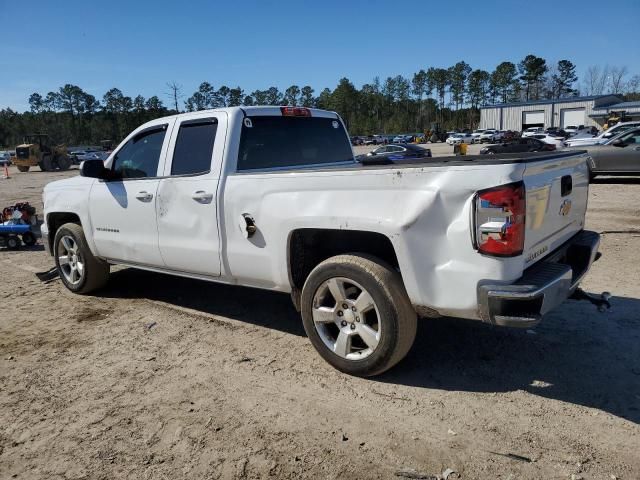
[(357, 314), (23, 169), (79, 270)]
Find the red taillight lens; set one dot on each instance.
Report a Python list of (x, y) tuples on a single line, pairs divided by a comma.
[(295, 112), (500, 220)]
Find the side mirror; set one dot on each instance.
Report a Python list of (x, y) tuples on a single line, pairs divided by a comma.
[(618, 143), (93, 169)]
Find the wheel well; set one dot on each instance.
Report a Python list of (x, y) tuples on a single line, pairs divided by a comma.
[(56, 220), (309, 246)]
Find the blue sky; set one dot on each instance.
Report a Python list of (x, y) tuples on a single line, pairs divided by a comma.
[(138, 46)]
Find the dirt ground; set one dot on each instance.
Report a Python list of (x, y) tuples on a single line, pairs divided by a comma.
[(167, 378)]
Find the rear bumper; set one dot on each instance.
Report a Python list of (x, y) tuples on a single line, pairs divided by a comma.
[(543, 286)]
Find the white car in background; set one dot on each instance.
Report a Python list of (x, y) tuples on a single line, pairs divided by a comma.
[(476, 134), (458, 138), (549, 139), (489, 136), (603, 137), (571, 129), (532, 131)]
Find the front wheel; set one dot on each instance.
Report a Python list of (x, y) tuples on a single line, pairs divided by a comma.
[(64, 162), (357, 314), (79, 270)]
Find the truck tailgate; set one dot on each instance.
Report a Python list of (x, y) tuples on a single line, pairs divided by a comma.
[(557, 192)]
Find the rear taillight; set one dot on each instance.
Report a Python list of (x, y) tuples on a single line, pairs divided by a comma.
[(295, 112), (500, 220)]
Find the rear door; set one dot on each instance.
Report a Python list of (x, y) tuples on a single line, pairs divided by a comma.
[(557, 191), (187, 204)]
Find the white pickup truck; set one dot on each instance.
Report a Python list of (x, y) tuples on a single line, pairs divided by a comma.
[(273, 198)]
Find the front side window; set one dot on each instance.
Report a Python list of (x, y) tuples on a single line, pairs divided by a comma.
[(194, 147), (140, 156), (632, 137), (283, 141)]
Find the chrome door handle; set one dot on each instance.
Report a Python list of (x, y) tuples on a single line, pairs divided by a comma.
[(202, 196), (144, 196)]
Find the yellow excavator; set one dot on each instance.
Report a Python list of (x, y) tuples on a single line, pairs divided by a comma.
[(37, 150)]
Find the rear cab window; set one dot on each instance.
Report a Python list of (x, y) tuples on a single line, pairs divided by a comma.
[(279, 142)]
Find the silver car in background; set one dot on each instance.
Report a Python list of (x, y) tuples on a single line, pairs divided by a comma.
[(603, 137), (620, 155)]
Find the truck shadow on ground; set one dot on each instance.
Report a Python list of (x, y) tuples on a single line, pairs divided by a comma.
[(250, 305), (576, 354)]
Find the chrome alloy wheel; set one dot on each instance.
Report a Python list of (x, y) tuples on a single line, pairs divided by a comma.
[(70, 260), (346, 318)]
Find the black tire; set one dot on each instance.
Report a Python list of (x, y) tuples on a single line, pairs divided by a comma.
[(29, 239), (397, 318), (64, 162), (95, 272), (23, 169), (13, 242), (47, 164)]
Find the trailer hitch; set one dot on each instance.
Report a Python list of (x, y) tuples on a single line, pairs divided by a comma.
[(599, 300)]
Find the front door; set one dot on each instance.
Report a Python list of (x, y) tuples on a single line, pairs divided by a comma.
[(187, 202), (624, 157), (123, 209)]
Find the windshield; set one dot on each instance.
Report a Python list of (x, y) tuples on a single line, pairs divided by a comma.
[(278, 141)]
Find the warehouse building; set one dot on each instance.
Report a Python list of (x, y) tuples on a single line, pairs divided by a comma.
[(561, 112)]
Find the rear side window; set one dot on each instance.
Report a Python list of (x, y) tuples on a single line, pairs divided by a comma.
[(279, 141), (194, 147), (139, 157)]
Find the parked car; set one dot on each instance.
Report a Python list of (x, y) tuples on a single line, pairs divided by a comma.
[(397, 152), (603, 136), (571, 129), (356, 141), (92, 156), (489, 136), (169, 199), (558, 142), (532, 131), (5, 158), (620, 155), (458, 138), (556, 132), (476, 134), (519, 145), (402, 139)]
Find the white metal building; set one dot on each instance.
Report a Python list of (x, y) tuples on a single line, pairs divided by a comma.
[(561, 112)]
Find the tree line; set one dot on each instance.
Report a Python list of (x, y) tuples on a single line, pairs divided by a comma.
[(450, 97)]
